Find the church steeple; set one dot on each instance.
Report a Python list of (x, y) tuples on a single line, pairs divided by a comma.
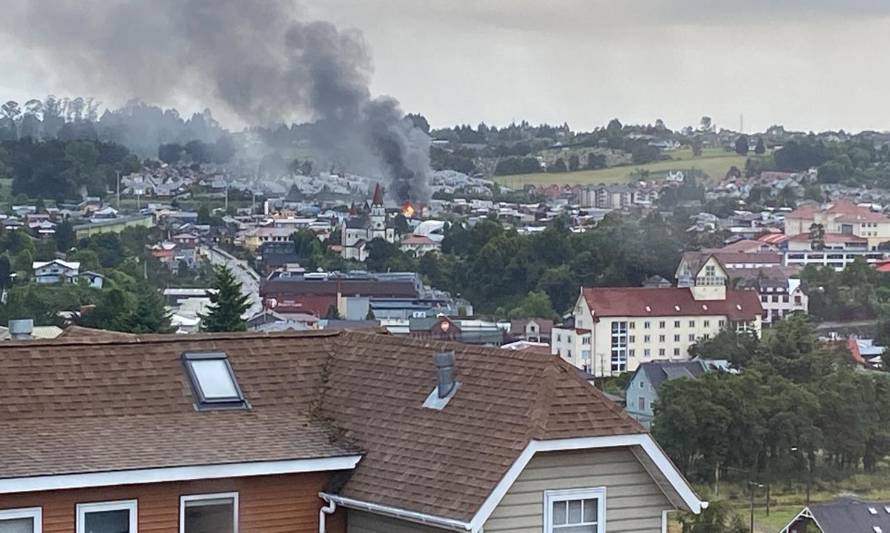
[(378, 195)]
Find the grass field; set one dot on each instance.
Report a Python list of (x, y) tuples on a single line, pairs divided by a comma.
[(787, 500), (5, 190), (714, 162)]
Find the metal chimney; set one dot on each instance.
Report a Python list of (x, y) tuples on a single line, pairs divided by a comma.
[(21, 329), (445, 366)]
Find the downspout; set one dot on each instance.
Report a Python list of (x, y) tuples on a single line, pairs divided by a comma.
[(326, 510)]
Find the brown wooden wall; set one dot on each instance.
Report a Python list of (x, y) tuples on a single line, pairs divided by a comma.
[(267, 504)]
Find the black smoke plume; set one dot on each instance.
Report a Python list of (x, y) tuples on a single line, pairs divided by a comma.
[(259, 59)]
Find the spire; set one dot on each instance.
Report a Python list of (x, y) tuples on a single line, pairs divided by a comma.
[(378, 195)]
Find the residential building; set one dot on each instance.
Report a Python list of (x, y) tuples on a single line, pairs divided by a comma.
[(865, 352), (55, 271), (781, 292), (532, 329), (613, 330), (835, 251), (113, 225), (317, 431), (418, 244), (841, 217), (641, 392), (841, 515)]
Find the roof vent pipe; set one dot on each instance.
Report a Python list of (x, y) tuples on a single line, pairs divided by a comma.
[(21, 329), (445, 366)]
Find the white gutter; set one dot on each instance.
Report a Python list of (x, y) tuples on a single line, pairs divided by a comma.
[(395, 512), (326, 510), (180, 473)]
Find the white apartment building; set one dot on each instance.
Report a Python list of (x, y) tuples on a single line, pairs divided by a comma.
[(616, 329)]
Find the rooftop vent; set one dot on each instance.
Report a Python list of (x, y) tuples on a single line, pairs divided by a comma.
[(446, 385), (21, 329)]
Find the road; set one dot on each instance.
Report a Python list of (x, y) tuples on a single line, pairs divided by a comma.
[(249, 279)]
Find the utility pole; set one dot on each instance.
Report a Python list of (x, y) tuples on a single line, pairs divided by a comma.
[(118, 190), (753, 485)]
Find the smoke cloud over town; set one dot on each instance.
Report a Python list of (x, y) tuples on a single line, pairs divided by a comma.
[(261, 62)]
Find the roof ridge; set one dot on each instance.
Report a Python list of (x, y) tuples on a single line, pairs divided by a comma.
[(161, 338)]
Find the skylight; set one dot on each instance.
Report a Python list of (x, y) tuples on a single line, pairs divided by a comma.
[(213, 381)]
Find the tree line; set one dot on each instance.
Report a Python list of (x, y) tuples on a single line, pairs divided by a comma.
[(797, 407)]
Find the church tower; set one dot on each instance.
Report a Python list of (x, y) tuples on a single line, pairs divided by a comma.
[(378, 214)]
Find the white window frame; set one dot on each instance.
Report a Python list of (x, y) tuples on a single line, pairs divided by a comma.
[(200, 497), (551, 496), (34, 513), (120, 505)]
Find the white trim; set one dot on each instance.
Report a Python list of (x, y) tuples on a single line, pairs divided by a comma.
[(34, 513), (183, 500), (82, 509), (644, 440), (181, 473), (395, 512), (597, 493)]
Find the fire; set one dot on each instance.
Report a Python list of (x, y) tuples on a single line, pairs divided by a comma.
[(408, 210)]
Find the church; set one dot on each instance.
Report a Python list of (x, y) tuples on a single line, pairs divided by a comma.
[(357, 231)]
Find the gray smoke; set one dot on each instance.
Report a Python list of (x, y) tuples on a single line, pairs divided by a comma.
[(257, 58)]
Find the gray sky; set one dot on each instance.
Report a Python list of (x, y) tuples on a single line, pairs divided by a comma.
[(807, 64)]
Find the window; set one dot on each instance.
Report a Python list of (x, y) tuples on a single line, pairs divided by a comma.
[(676, 338), (721, 323), (107, 517), (676, 352), (692, 323), (619, 346), (646, 338), (691, 337), (575, 511), (632, 325), (676, 323), (661, 324), (21, 520), (707, 323), (213, 380), (647, 352), (631, 353), (661, 352), (646, 325), (642, 403), (632, 338), (585, 340), (209, 513)]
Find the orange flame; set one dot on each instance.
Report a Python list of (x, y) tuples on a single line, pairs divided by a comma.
[(408, 210)]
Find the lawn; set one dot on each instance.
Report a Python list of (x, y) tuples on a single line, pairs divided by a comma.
[(787, 500), (714, 162)]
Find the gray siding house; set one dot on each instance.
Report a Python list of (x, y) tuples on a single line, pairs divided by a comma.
[(642, 390)]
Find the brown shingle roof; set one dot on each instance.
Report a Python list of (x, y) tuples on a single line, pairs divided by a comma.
[(655, 302), (71, 406)]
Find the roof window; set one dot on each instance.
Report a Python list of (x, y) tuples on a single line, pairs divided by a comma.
[(213, 381), (872, 510)]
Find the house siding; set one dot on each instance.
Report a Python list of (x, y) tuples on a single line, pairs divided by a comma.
[(362, 522), (267, 504), (634, 503)]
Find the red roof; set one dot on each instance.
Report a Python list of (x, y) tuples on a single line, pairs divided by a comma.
[(883, 266), (830, 238), (378, 195), (417, 240), (656, 302)]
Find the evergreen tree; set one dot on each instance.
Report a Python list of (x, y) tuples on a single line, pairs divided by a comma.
[(228, 304), (149, 315), (760, 148)]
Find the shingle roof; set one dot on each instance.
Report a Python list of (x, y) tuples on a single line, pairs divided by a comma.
[(675, 301), (658, 372), (846, 515), (126, 403)]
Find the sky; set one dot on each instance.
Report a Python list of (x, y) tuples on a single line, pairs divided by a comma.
[(806, 64)]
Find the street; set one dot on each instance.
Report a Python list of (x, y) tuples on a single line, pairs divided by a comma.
[(249, 279)]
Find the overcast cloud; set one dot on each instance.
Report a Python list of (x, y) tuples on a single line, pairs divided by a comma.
[(808, 64)]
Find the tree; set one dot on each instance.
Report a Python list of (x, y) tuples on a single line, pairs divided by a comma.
[(760, 149), (560, 287), (741, 145), (65, 236), (558, 166), (148, 316), (817, 236), (5, 272), (228, 303), (170, 153), (706, 123), (614, 135), (23, 261), (718, 517), (534, 305), (111, 312), (574, 162), (696, 145), (737, 347)]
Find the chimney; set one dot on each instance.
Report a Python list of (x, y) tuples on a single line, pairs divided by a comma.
[(445, 366), (21, 329)]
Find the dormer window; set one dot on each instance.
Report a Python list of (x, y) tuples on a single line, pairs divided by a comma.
[(213, 381)]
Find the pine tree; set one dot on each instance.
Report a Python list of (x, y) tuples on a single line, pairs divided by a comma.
[(149, 315), (228, 304)]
